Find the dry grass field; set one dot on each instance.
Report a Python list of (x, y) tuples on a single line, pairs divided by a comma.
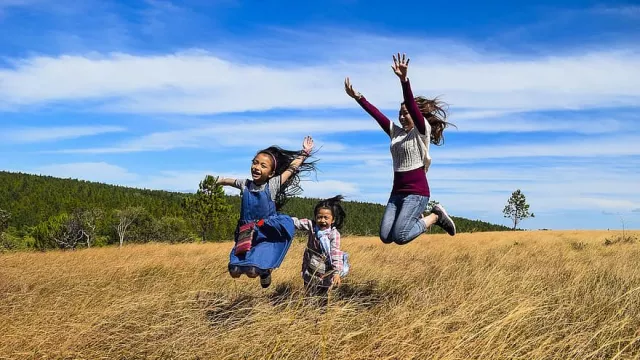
[(520, 295)]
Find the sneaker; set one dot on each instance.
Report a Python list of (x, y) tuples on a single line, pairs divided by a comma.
[(235, 272), (444, 220), (265, 280), (251, 272)]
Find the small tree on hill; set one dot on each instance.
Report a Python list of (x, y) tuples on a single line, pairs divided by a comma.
[(60, 231), (88, 218), (517, 208), (125, 218), (209, 209)]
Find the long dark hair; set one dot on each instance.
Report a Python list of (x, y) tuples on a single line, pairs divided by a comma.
[(337, 211), (283, 159), (435, 112)]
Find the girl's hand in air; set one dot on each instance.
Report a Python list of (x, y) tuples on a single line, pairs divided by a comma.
[(307, 145), (400, 66), (348, 88)]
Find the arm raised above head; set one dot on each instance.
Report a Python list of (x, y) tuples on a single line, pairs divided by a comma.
[(400, 68), (307, 147), (412, 107)]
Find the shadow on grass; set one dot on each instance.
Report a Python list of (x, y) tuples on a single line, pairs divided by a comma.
[(283, 294), (365, 295), (227, 312)]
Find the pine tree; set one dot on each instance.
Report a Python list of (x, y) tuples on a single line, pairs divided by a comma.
[(209, 210), (517, 208)]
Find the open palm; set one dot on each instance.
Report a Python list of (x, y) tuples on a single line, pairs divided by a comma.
[(348, 88), (307, 145), (400, 65)]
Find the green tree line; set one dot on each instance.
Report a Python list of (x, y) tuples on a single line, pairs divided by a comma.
[(45, 212)]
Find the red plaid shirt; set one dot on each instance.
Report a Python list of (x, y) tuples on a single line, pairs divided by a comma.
[(313, 245)]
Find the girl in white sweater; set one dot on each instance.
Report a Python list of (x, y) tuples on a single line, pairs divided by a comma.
[(403, 219)]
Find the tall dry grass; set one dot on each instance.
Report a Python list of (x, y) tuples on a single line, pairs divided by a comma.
[(524, 295)]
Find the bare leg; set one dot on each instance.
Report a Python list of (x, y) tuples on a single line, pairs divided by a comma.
[(430, 220), (440, 217)]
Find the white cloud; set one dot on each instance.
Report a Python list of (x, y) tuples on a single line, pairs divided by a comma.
[(239, 133), (329, 188), (90, 171), (465, 191), (42, 134), (588, 185), (602, 146), (200, 82), (621, 145)]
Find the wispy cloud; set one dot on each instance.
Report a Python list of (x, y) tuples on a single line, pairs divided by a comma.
[(238, 133), (200, 82), (627, 11), (90, 171), (603, 146), (186, 181), (567, 147), (45, 134)]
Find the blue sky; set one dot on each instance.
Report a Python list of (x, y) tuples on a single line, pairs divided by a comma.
[(156, 94)]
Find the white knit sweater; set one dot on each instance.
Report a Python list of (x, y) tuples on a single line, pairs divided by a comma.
[(410, 150)]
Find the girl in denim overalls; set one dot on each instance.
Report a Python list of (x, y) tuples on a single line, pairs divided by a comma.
[(263, 236)]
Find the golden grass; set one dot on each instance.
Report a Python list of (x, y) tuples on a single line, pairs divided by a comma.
[(522, 295)]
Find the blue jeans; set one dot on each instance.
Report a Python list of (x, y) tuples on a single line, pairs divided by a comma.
[(401, 221)]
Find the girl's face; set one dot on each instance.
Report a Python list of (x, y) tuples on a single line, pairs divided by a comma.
[(261, 168), (405, 119), (324, 218)]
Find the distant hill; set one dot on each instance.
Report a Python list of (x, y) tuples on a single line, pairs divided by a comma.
[(32, 199)]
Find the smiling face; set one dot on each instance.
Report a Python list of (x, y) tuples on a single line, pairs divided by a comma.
[(405, 118), (262, 168), (324, 218)]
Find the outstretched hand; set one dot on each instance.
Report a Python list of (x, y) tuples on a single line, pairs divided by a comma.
[(307, 145), (348, 88), (400, 66)]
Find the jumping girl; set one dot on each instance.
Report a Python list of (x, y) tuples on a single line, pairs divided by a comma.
[(323, 263), (263, 236), (403, 219)]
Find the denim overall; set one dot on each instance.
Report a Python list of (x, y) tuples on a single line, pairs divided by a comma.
[(271, 241)]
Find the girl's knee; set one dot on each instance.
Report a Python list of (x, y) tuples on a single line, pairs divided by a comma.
[(401, 237), (386, 239)]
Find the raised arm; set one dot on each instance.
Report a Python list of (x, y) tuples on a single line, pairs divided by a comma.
[(382, 120), (307, 146), (400, 67)]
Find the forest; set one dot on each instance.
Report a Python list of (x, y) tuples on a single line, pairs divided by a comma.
[(44, 212)]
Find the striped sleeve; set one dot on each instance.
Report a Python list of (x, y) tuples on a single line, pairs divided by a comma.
[(302, 224), (336, 253)]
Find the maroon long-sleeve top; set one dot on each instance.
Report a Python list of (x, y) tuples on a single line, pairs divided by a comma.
[(404, 182)]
